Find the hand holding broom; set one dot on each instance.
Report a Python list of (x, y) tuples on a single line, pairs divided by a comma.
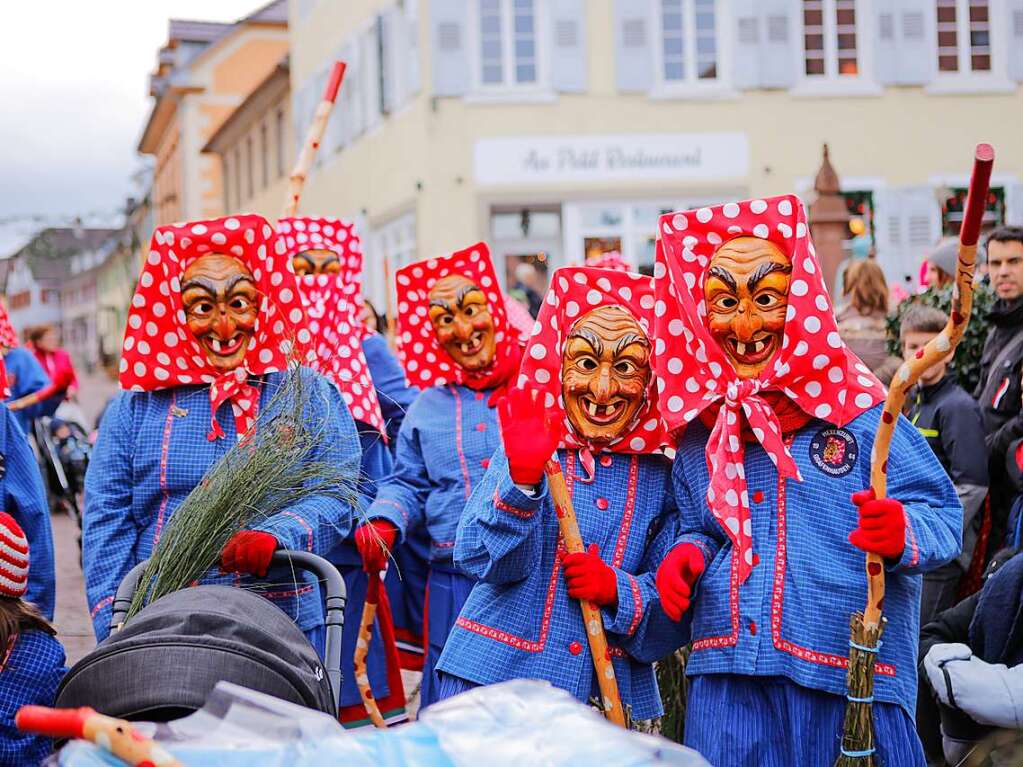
[(530, 443), (117, 736), (866, 628)]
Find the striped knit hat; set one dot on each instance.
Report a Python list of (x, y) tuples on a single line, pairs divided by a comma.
[(13, 558)]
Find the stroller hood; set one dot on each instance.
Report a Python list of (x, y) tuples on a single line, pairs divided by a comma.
[(165, 662)]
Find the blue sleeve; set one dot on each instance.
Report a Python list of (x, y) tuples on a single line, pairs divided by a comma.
[(26, 502), (395, 396), (377, 462), (320, 521), (637, 622), (110, 533), (401, 497), (31, 677), (934, 516), (498, 534), (28, 374), (696, 525)]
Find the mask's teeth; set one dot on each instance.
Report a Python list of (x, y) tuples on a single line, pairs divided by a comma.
[(757, 346), (740, 347), (592, 406), (216, 345)]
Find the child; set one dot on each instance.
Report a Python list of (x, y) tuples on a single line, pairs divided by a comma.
[(32, 659), (951, 421)]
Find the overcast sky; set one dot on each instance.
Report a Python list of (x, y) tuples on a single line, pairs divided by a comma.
[(74, 95)]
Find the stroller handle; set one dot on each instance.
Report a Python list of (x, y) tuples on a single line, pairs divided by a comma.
[(325, 572)]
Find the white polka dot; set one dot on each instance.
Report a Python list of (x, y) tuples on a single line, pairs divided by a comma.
[(571, 308), (199, 229), (542, 375), (692, 385), (265, 356), (679, 221), (785, 207), (799, 288), (593, 297), (703, 215), (785, 230), (295, 315), (139, 369), (809, 265), (863, 400), (761, 231), (538, 351), (637, 443), (801, 348), (813, 388), (758, 206), (660, 308), (812, 324), (835, 374), (820, 362), (138, 301), (730, 210), (675, 404), (800, 229), (647, 301), (675, 365), (731, 522)]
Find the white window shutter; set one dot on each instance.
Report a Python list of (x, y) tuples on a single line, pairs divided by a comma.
[(566, 42), (1014, 204), (388, 23), (408, 52), (921, 215), (779, 45), (635, 43), (886, 45), (1015, 38), (449, 52), (369, 58), (334, 138), (916, 38), (889, 238), (746, 44)]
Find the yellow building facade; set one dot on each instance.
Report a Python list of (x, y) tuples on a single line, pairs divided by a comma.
[(557, 128), (204, 72)]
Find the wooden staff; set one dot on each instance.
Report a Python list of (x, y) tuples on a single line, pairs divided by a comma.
[(392, 324), (312, 139), (369, 614), (866, 628), (611, 700), (117, 736)]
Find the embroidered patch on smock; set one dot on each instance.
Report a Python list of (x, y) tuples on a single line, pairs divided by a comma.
[(834, 451)]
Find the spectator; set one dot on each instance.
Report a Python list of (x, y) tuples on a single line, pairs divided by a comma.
[(886, 371), (940, 266), (950, 420), (861, 320), (528, 286), (1001, 367), (972, 659), (42, 340), (372, 319)]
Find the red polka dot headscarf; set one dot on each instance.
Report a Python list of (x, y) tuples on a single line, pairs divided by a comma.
[(574, 292), (8, 338), (5, 388), (424, 359), (611, 260), (333, 234), (159, 350), (813, 367), (333, 321)]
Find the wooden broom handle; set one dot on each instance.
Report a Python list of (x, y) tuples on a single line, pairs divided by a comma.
[(936, 349), (312, 140), (369, 614), (592, 619)]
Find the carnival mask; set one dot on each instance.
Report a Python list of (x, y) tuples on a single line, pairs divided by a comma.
[(461, 318), (746, 290), (316, 261), (221, 306), (605, 371)]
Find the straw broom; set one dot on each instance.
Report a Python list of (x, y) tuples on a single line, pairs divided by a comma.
[(858, 742), (610, 699)]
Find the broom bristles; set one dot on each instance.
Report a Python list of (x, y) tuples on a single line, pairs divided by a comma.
[(858, 742), (265, 473)]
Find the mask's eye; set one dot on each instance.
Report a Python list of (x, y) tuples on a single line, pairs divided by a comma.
[(445, 319), (588, 364), (332, 267), (727, 302), (201, 308), (240, 304), (625, 367), (766, 300), (471, 310)]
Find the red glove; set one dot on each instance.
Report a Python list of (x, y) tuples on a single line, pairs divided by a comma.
[(676, 578), (882, 527), (374, 540), (589, 578), (530, 436), (248, 551)]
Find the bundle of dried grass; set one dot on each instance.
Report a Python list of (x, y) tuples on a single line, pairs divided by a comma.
[(267, 472), (858, 742)]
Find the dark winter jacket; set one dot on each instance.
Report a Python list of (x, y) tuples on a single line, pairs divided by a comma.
[(999, 390)]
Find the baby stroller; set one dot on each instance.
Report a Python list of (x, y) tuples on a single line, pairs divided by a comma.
[(64, 449), (164, 663)]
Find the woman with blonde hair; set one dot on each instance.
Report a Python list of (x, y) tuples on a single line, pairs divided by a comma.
[(861, 319)]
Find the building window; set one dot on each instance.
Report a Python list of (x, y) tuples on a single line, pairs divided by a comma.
[(249, 186), (508, 44), (964, 36), (688, 40), (264, 153), (280, 143), (829, 38), (955, 203)]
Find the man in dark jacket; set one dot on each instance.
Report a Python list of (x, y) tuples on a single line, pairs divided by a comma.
[(950, 420), (999, 390)]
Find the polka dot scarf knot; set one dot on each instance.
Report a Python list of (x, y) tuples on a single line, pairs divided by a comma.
[(574, 292), (424, 359), (813, 368), (159, 350)]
